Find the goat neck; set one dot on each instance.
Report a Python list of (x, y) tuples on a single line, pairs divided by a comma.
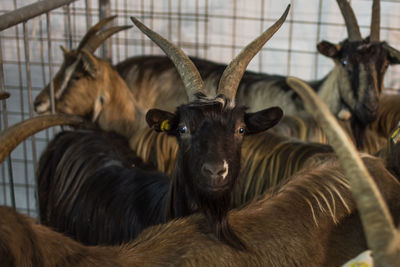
[(115, 107), (380, 232)]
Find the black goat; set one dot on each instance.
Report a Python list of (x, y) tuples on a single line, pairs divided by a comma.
[(209, 132), (100, 191)]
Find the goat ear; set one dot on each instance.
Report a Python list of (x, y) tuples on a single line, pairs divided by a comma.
[(262, 120), (393, 54), (328, 49), (160, 120), (89, 62), (64, 50)]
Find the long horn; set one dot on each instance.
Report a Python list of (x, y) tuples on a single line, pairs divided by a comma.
[(14, 135), (375, 21), (187, 70), (4, 95), (98, 39), (233, 73), (93, 30), (378, 225), (351, 22)]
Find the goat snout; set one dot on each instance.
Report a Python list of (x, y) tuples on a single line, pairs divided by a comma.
[(215, 170), (40, 106)]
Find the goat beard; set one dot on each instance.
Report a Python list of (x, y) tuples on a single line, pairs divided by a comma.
[(216, 213)]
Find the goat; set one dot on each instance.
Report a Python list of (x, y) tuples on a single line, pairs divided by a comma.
[(309, 221), (300, 224), (284, 149), (382, 237), (209, 132), (351, 89), (91, 170), (97, 82)]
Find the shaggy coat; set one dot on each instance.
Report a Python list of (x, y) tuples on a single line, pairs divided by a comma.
[(309, 221)]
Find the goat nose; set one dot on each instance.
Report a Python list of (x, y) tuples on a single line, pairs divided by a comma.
[(36, 104), (214, 169)]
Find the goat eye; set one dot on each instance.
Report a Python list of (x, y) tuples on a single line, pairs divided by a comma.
[(76, 76), (241, 130), (182, 129)]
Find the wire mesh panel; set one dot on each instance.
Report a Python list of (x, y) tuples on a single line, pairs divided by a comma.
[(209, 29)]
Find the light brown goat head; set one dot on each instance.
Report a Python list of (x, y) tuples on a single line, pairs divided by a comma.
[(81, 76)]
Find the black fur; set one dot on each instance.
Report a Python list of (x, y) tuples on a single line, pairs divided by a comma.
[(212, 136), (90, 190)]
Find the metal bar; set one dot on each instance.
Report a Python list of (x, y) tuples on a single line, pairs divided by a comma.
[(152, 23), (233, 50), (290, 39), (42, 64), (31, 112), (118, 56), (22, 106), (50, 55), (68, 29), (73, 24), (180, 24), (126, 32), (197, 29), (5, 119), (169, 16), (318, 35), (206, 20), (142, 19), (30, 11), (88, 15), (260, 54), (105, 11)]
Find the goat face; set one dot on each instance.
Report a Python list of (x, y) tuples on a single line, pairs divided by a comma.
[(76, 85), (210, 137), (362, 66)]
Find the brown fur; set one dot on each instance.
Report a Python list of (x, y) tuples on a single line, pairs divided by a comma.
[(388, 116), (279, 230)]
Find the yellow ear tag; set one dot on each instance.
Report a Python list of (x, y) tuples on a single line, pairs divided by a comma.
[(165, 126)]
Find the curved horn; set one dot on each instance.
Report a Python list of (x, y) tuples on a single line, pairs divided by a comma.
[(233, 73), (378, 226), (13, 136), (4, 95), (187, 70), (351, 22), (375, 21), (98, 39), (93, 30)]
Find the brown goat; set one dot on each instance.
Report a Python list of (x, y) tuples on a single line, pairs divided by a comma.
[(309, 221)]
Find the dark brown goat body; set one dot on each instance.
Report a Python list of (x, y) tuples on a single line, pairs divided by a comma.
[(309, 221)]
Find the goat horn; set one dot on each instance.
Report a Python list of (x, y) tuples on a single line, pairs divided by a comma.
[(233, 73), (375, 21), (351, 22), (378, 225), (4, 95), (93, 30), (98, 39), (14, 135), (187, 70)]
